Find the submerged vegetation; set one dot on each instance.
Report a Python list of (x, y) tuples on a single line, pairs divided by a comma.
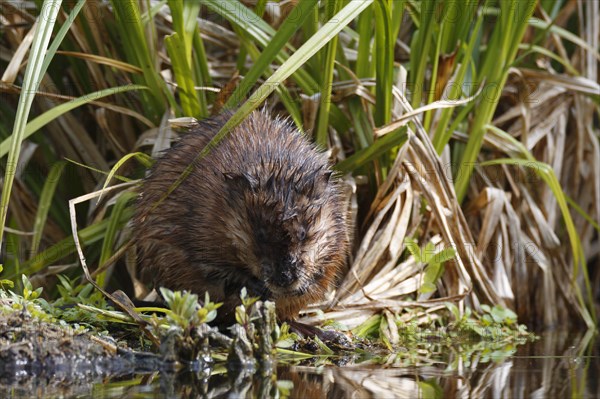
[(466, 132)]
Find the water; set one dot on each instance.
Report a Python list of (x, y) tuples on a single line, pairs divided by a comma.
[(559, 365)]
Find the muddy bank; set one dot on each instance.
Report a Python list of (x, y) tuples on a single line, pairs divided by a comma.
[(56, 357)]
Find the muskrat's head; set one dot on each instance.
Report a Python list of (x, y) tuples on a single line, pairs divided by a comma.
[(291, 227)]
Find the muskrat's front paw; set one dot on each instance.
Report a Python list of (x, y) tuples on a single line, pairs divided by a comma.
[(332, 338), (335, 339)]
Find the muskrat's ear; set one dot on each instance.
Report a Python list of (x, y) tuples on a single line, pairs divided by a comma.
[(270, 182), (290, 214), (244, 180), (321, 181), (229, 176)]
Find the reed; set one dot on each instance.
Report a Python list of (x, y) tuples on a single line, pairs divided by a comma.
[(466, 128)]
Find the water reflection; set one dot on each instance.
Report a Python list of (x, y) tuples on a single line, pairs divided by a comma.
[(559, 365)]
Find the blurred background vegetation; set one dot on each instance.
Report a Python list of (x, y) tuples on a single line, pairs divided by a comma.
[(471, 125)]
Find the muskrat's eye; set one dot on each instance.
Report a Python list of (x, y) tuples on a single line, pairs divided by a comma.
[(301, 233), (262, 234)]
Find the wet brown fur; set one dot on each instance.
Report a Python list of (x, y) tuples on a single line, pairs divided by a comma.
[(262, 210)]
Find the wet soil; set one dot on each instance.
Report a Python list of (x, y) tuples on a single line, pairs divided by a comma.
[(53, 359)]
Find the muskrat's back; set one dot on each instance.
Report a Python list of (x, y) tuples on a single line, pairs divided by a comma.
[(261, 211)]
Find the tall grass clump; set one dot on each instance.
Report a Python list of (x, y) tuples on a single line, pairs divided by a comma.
[(466, 131)]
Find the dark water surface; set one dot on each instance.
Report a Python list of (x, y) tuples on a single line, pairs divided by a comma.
[(558, 365)]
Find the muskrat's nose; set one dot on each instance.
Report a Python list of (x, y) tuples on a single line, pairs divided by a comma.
[(284, 277)]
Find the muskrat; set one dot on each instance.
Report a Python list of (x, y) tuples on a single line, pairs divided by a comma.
[(262, 210)]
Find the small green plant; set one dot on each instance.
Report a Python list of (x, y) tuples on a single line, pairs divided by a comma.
[(29, 301), (370, 328), (184, 310), (433, 259), (495, 328), (5, 282), (284, 338), (73, 300), (498, 315), (242, 312), (495, 323), (30, 294)]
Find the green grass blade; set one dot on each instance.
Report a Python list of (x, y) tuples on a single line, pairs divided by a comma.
[(254, 53), (565, 34), (276, 44), (150, 13), (143, 158), (364, 66), (309, 28), (87, 236), (129, 24), (31, 82), (529, 48), (183, 74), (443, 134), (434, 74), (378, 148), (457, 21), (444, 255), (62, 32), (503, 47), (184, 23), (583, 214), (370, 326), (384, 62), (13, 263), (61, 109), (201, 73), (414, 249), (99, 171), (238, 14), (44, 204), (261, 65), (327, 80), (262, 33), (397, 14), (420, 51), (112, 229)]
